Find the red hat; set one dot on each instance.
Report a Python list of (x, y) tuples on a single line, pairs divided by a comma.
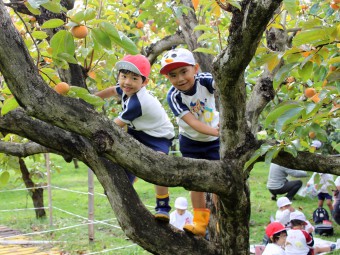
[(138, 64), (274, 228)]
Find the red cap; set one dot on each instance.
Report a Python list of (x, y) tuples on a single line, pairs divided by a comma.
[(274, 228), (138, 64)]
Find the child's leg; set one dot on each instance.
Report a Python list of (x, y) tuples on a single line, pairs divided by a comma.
[(329, 204), (320, 203), (197, 199), (162, 203), (201, 214)]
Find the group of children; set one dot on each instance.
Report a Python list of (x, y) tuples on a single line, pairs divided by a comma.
[(291, 233), (191, 99)]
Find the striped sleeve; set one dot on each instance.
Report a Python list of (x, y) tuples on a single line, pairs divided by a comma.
[(207, 80), (175, 102), (119, 90), (132, 109)]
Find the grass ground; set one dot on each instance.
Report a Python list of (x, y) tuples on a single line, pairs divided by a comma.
[(71, 209)]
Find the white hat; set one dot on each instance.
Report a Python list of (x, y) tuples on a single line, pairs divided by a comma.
[(317, 144), (176, 58), (282, 201), (181, 203), (297, 215)]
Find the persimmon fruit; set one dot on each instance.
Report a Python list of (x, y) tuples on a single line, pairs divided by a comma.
[(334, 6), (315, 98), (310, 92), (62, 88), (140, 24), (80, 31), (312, 134)]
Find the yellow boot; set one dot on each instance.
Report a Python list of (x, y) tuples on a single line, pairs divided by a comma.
[(200, 222)]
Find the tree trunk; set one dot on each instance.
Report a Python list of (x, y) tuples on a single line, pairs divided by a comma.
[(36, 193)]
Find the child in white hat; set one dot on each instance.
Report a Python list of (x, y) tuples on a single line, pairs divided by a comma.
[(181, 215), (284, 209)]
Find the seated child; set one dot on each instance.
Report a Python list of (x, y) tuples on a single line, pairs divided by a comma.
[(277, 238), (299, 241), (284, 209), (181, 215)]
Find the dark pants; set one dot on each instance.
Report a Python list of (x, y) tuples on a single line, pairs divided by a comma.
[(290, 187)]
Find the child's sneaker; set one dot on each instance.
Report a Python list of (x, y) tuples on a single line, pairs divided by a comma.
[(162, 215)]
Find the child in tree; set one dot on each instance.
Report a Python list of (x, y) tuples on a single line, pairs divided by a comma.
[(181, 215), (191, 99), (143, 116)]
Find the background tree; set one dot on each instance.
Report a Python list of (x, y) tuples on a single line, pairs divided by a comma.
[(257, 45)]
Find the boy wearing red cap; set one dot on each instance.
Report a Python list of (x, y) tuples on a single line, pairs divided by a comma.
[(143, 116), (277, 238), (191, 99)]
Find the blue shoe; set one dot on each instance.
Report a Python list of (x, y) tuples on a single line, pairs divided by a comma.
[(162, 216)]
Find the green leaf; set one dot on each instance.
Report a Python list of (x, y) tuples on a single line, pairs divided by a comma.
[(127, 44), (272, 153), (306, 71), (4, 177), (102, 38), (78, 17), (288, 117), (39, 35), (52, 7), (53, 23), (315, 36), (36, 3), (89, 14), (110, 30), (34, 11), (234, 3), (93, 100), (291, 150), (78, 92), (290, 6), (206, 50), (69, 58), (9, 105), (261, 151), (276, 113), (203, 27), (62, 42)]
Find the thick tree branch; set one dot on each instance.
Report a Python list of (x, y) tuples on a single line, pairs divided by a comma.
[(155, 49), (145, 163), (23, 149)]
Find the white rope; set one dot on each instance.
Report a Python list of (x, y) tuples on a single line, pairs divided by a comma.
[(95, 221), (107, 250), (46, 231), (10, 190), (24, 209)]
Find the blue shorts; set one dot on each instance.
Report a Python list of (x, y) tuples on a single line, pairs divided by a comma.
[(199, 150), (322, 196), (156, 143)]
